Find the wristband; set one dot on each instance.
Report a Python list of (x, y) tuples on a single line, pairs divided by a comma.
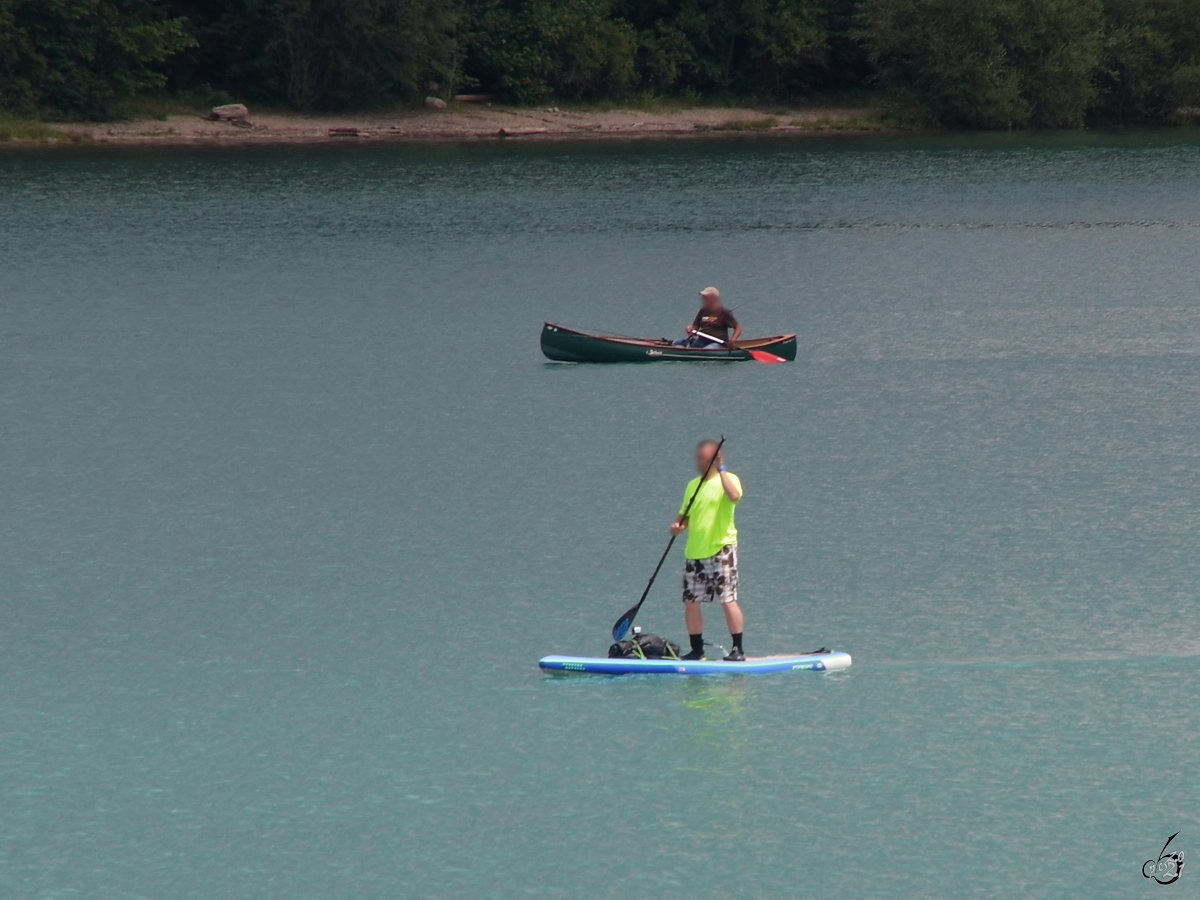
[(720, 468)]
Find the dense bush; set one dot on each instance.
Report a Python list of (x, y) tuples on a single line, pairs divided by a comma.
[(956, 63), (1042, 63), (755, 47), (530, 49), (1151, 62), (987, 63), (317, 52), (82, 57)]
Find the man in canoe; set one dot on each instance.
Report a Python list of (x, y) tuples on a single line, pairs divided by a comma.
[(710, 571), (711, 326)]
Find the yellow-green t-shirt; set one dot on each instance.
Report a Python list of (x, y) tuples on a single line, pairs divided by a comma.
[(710, 523)]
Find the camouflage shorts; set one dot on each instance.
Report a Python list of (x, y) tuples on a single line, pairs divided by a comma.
[(714, 578)]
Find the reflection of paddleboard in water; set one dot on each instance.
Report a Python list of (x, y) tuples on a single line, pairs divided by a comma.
[(827, 661)]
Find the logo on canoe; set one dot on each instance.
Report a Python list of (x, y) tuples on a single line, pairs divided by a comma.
[(817, 666), (574, 666), (1168, 867), (654, 353)]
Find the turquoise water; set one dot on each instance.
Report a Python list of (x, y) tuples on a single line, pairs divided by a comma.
[(293, 505)]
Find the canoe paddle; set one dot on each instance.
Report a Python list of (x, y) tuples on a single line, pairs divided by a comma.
[(757, 355), (626, 621)]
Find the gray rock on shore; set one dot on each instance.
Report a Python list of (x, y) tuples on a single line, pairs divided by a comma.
[(435, 103), (230, 112)]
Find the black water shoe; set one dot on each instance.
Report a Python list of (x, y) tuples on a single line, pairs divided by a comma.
[(736, 655), (693, 655)]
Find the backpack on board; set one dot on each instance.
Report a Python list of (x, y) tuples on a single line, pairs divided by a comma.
[(644, 646)]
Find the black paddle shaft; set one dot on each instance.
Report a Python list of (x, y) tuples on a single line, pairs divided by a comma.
[(626, 621)]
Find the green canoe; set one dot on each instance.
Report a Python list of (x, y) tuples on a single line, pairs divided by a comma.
[(569, 345)]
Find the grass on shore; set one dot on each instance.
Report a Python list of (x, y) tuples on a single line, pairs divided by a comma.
[(16, 128), (744, 125), (851, 110), (648, 102), (857, 99), (867, 120), (161, 105)]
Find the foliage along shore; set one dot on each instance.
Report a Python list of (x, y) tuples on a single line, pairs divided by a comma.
[(944, 63)]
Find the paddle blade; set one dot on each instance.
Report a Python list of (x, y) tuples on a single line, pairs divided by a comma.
[(621, 629), (764, 356)]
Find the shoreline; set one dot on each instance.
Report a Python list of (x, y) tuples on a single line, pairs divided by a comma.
[(466, 123)]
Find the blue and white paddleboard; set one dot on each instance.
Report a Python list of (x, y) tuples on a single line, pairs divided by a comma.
[(754, 665)]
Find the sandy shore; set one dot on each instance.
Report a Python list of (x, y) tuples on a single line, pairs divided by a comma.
[(466, 122)]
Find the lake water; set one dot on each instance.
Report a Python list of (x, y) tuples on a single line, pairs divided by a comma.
[(292, 505)]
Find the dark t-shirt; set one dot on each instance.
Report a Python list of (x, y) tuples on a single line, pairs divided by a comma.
[(716, 324)]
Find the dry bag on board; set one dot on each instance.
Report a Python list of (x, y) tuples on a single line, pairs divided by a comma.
[(644, 646)]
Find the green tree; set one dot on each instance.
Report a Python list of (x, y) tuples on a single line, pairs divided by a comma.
[(1151, 62), (531, 49), (728, 46), (987, 63), (81, 58), (346, 51), (321, 53)]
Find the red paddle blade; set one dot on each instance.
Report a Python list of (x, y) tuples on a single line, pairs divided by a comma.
[(764, 356)]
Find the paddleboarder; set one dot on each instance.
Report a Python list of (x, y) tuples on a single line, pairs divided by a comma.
[(710, 571), (712, 321)]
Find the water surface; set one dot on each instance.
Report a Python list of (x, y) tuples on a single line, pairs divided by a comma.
[(293, 505)]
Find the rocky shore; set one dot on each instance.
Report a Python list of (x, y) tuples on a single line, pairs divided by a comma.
[(473, 121)]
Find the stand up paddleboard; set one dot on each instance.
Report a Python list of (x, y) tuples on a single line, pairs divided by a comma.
[(829, 661)]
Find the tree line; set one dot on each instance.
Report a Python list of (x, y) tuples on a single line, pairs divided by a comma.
[(954, 63)]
